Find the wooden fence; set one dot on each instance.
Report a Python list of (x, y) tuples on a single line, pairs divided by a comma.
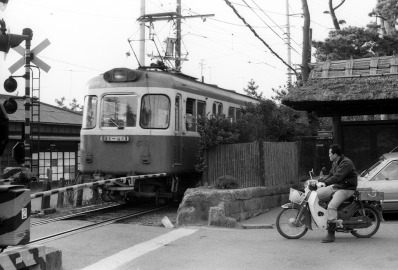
[(262, 163)]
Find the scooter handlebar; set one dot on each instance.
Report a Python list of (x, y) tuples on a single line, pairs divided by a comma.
[(321, 184)]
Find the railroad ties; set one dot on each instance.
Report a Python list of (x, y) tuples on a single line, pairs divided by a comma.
[(94, 184)]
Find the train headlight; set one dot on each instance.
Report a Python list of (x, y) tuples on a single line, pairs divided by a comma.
[(120, 75)]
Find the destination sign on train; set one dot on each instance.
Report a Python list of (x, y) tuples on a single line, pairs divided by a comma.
[(114, 138)]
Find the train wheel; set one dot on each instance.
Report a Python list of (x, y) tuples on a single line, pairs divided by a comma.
[(112, 196), (131, 200), (105, 196)]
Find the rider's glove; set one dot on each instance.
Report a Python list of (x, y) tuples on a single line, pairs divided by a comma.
[(312, 186)]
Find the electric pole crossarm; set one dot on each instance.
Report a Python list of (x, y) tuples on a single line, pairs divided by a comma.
[(159, 17), (168, 16)]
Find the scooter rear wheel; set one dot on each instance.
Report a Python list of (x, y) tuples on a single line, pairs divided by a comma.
[(285, 224), (371, 213)]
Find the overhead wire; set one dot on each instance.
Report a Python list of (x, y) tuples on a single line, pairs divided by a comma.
[(268, 25), (64, 62), (225, 22), (217, 29), (283, 31), (76, 12), (255, 33)]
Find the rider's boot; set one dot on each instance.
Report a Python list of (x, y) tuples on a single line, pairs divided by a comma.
[(331, 231)]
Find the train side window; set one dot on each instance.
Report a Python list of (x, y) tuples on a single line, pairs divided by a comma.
[(234, 114), (155, 111), (217, 108), (90, 112), (231, 114), (201, 108), (194, 109), (190, 114), (177, 114), (238, 114), (119, 111)]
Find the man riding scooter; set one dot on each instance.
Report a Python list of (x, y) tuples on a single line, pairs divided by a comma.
[(340, 185)]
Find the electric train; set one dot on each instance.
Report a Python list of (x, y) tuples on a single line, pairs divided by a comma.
[(143, 121)]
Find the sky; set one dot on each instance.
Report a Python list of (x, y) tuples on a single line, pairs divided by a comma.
[(90, 37)]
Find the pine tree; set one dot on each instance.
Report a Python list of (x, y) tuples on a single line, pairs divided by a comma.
[(251, 90)]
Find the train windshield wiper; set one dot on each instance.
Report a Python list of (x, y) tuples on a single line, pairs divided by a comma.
[(114, 122)]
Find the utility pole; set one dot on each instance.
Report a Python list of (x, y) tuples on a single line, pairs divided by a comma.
[(305, 70), (201, 70), (178, 40), (169, 16), (288, 42), (142, 36)]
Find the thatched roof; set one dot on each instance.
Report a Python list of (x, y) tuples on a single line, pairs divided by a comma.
[(351, 87)]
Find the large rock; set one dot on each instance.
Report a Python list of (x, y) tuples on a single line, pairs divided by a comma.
[(201, 206)]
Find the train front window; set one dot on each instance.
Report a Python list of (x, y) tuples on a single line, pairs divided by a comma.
[(89, 112), (155, 111), (119, 111)]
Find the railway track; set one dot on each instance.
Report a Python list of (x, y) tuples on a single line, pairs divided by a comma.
[(77, 214), (136, 213)]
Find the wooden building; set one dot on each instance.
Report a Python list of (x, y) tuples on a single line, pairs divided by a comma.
[(55, 147), (366, 86)]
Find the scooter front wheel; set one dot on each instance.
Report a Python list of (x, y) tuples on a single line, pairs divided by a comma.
[(286, 225)]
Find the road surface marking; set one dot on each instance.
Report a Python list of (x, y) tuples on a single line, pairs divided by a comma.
[(121, 260)]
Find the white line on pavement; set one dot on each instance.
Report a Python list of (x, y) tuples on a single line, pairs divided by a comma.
[(121, 260)]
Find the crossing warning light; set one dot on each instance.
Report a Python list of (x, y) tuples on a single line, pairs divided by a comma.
[(15, 215), (8, 40), (10, 105), (10, 84)]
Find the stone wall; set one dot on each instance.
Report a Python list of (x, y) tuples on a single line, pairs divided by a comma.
[(201, 206)]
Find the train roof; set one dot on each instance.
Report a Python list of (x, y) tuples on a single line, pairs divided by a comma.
[(167, 79)]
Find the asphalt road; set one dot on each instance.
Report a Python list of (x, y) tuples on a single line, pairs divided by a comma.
[(218, 248), (266, 249)]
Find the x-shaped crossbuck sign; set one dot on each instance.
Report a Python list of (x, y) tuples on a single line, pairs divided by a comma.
[(37, 61)]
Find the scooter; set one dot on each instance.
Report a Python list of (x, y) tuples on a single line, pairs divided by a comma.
[(359, 215)]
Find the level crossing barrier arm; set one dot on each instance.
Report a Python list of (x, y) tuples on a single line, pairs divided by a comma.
[(94, 184)]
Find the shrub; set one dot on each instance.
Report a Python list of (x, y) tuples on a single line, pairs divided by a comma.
[(226, 182)]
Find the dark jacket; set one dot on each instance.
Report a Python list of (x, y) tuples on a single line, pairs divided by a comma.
[(343, 174)]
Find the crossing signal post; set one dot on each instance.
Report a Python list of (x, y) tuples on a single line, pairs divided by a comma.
[(8, 41), (3, 129)]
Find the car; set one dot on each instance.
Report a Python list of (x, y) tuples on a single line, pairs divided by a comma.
[(383, 177)]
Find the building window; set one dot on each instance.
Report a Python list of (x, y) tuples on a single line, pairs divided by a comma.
[(62, 164)]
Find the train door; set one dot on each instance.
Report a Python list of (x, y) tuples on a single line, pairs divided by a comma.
[(178, 131)]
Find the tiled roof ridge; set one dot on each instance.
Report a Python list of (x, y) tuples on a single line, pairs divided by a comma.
[(5, 96)]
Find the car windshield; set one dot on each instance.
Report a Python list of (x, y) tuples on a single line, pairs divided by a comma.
[(389, 172), (366, 172)]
